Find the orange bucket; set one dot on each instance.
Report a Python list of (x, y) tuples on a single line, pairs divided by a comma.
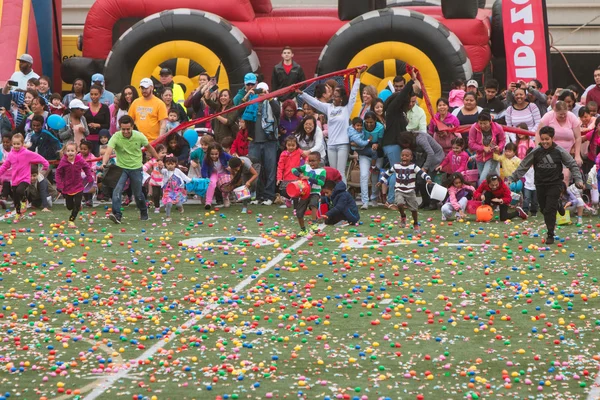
[(298, 189)]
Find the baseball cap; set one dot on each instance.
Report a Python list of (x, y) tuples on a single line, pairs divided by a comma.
[(26, 58), (473, 82), (146, 83), (77, 104), (249, 78), (263, 86), (166, 71), (97, 78)]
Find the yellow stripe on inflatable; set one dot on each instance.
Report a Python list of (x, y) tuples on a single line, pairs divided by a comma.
[(392, 51), (1, 6), (23, 31), (180, 49)]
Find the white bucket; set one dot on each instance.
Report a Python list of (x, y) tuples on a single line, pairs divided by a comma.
[(437, 192), (242, 193)]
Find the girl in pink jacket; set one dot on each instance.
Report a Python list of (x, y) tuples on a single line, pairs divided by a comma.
[(458, 196), (69, 179), (485, 139), (457, 159), (19, 162), (290, 158)]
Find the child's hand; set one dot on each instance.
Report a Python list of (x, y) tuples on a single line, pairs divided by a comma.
[(429, 181), (580, 185), (438, 168), (161, 165), (568, 204), (499, 201), (324, 217), (379, 184), (248, 184), (482, 197), (278, 182), (193, 163)]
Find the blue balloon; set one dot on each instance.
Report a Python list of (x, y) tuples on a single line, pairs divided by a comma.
[(517, 186), (191, 136), (56, 122)]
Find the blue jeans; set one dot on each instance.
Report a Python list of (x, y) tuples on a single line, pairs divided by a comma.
[(485, 169), (392, 152), (266, 155), (135, 183)]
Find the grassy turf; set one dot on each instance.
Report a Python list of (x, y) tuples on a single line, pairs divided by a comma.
[(464, 309)]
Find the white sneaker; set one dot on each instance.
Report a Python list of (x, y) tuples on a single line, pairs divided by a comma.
[(444, 218), (267, 202), (283, 206), (254, 202), (364, 207), (157, 210)]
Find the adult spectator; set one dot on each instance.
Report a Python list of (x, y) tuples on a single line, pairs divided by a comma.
[(244, 94), (323, 92), (534, 94), (443, 137), (197, 103), (491, 100), (128, 95), (179, 148), (369, 95), (114, 110), (149, 112), (224, 125), (310, 137), (473, 87), (398, 84), (486, 138), (262, 122), (76, 128), (567, 132), (25, 71), (593, 94), (288, 72), (310, 111), (97, 117), (467, 114), (22, 108), (166, 81), (127, 145), (78, 91), (167, 97), (106, 97), (417, 120), (428, 155), (570, 99), (38, 107), (289, 121), (338, 120), (521, 111)]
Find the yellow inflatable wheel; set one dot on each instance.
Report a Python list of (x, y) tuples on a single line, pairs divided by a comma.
[(189, 36)]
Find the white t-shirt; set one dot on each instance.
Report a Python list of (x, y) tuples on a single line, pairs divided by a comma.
[(20, 77)]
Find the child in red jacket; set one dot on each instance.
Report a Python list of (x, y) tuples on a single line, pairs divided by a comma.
[(494, 192), (290, 158), (69, 179), (239, 147)]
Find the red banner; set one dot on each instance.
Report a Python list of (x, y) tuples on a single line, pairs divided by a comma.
[(525, 40)]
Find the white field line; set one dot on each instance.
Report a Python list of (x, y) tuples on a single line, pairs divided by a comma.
[(595, 389), (107, 382)]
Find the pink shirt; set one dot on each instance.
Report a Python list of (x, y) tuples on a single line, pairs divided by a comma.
[(563, 134), (455, 163)]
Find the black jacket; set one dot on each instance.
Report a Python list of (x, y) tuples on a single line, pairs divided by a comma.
[(280, 79), (395, 117), (548, 166), (496, 105)]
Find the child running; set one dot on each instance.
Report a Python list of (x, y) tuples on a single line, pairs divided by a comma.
[(458, 196), (404, 187), (214, 167), (316, 178), (19, 162), (547, 160), (69, 182), (85, 149), (289, 159), (174, 181)]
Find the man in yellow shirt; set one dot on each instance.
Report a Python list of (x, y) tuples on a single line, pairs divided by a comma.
[(166, 81), (149, 112)]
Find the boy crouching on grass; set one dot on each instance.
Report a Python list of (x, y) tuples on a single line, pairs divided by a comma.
[(316, 178), (342, 206), (405, 195)]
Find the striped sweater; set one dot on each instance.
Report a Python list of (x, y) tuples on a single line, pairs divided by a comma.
[(406, 176)]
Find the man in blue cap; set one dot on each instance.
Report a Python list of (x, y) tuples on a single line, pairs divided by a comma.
[(106, 97), (249, 85)]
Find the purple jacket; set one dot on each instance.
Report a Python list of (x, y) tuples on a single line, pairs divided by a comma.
[(68, 175)]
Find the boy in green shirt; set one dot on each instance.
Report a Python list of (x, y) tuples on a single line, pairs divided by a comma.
[(316, 177)]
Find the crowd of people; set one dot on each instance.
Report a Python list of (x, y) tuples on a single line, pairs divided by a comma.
[(313, 136)]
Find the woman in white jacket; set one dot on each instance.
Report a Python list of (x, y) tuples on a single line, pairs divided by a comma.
[(338, 120), (310, 137)]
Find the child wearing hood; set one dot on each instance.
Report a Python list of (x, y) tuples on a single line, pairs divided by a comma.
[(342, 206), (69, 182), (19, 162), (239, 147)]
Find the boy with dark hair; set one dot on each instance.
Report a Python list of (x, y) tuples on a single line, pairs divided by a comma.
[(548, 160), (494, 192), (226, 144), (316, 178), (491, 100), (342, 206), (42, 141), (360, 141), (404, 187)]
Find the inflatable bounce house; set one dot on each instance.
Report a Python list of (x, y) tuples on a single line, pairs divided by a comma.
[(33, 27), (131, 39)]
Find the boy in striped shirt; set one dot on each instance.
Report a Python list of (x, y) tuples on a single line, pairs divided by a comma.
[(406, 178)]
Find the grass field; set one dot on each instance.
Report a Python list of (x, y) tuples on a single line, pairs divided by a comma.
[(465, 310)]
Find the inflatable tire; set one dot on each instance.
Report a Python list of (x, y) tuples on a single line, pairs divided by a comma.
[(188, 34), (350, 9), (80, 67), (481, 3), (497, 35), (460, 9), (410, 36)]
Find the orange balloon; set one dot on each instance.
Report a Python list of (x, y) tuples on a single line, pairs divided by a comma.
[(484, 213)]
